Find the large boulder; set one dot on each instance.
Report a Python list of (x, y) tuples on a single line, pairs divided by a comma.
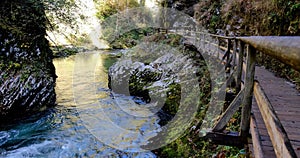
[(157, 76)]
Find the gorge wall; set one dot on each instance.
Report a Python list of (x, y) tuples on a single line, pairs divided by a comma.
[(27, 74)]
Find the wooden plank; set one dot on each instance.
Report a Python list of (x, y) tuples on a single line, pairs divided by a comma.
[(233, 107), (267, 146), (283, 111), (291, 134), (227, 53), (296, 142), (257, 146), (287, 124), (278, 136), (249, 82), (287, 117)]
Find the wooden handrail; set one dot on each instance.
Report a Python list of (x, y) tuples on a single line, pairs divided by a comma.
[(205, 33), (286, 49)]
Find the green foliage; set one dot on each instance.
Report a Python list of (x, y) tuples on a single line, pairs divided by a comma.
[(15, 21), (191, 145), (79, 40), (130, 39), (61, 11), (23, 27), (214, 22), (115, 28), (64, 51), (110, 7), (106, 9), (263, 18), (19, 17)]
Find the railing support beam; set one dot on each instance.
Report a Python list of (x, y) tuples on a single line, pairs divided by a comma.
[(225, 117)]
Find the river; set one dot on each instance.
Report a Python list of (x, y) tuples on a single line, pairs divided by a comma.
[(64, 131)]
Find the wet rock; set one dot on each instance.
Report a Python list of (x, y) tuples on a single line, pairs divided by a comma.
[(23, 92)]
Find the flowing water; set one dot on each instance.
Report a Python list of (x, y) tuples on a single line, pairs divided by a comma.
[(67, 129)]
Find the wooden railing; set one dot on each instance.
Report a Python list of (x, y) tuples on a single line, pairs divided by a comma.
[(285, 49)]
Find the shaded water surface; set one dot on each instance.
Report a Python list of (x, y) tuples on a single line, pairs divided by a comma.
[(67, 130)]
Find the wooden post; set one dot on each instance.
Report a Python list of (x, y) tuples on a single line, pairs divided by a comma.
[(240, 66), (234, 53), (228, 65), (228, 55), (248, 93), (218, 49)]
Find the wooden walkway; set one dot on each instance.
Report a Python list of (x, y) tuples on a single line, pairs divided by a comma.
[(285, 100), (272, 115)]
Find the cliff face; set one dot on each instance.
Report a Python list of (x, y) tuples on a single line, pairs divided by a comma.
[(187, 6), (27, 75)]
